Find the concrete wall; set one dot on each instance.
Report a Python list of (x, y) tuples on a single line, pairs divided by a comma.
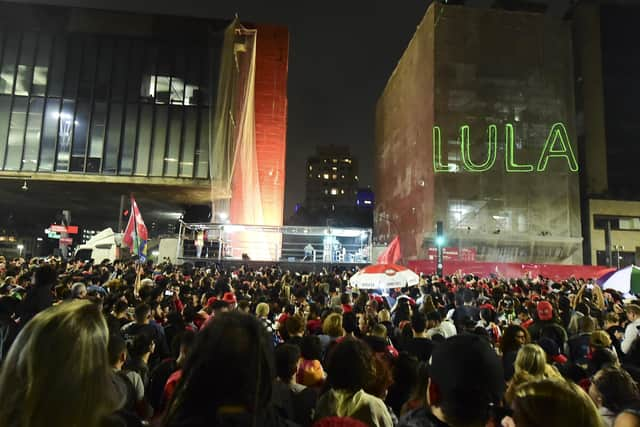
[(404, 118), (468, 66), (629, 239)]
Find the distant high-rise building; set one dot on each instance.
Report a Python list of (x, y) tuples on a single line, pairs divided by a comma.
[(332, 179)]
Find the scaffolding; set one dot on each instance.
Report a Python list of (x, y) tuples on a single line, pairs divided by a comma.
[(225, 242)]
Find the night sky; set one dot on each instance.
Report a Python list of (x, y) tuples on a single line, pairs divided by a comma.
[(343, 52), (341, 55)]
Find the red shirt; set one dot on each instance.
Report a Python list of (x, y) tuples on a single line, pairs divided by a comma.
[(170, 386), (314, 325), (526, 323)]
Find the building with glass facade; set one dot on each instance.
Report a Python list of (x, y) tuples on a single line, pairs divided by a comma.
[(88, 95)]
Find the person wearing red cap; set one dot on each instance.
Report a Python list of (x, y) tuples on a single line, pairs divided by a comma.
[(230, 298), (546, 325)]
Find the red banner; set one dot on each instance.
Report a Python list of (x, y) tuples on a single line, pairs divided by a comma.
[(453, 254), (501, 269), (70, 229)]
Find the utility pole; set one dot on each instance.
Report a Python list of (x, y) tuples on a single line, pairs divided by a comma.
[(120, 222), (607, 244)]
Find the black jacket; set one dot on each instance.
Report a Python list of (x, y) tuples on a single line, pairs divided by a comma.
[(37, 299), (267, 418), (420, 417), (421, 348)]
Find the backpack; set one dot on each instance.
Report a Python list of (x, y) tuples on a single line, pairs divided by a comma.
[(554, 332)]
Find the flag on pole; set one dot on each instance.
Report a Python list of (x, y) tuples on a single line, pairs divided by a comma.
[(392, 254), (136, 235)]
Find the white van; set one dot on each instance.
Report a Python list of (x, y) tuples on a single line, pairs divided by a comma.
[(103, 245)]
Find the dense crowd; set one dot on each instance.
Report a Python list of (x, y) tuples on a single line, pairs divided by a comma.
[(127, 344)]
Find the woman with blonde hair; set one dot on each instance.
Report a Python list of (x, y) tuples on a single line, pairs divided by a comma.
[(552, 403), (262, 313), (331, 330), (57, 372), (531, 365)]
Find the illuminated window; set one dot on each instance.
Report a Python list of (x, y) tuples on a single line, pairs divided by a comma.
[(334, 176), (334, 168), (325, 176), (341, 191), (318, 175), (334, 191), (356, 177), (165, 89), (342, 176), (347, 160), (310, 168), (335, 160)]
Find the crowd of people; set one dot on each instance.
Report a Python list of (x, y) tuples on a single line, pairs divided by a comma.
[(129, 344)]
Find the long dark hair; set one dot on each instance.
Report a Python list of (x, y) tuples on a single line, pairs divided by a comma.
[(231, 363), (509, 343)]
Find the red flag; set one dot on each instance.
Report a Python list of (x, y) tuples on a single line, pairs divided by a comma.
[(392, 254), (136, 234)]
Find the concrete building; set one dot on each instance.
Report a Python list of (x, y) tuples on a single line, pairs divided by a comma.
[(621, 219), (332, 179), (130, 100), (478, 101)]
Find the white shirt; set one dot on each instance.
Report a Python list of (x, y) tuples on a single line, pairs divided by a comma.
[(445, 328), (630, 335)]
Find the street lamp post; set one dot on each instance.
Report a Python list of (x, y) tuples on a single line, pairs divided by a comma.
[(440, 241), (618, 248)]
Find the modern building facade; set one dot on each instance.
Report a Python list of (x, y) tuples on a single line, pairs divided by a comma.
[(332, 179), (130, 99), (476, 129)]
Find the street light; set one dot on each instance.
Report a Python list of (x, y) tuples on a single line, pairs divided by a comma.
[(20, 248), (618, 248), (440, 241)]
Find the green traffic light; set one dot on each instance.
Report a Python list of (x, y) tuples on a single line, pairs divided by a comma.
[(440, 240)]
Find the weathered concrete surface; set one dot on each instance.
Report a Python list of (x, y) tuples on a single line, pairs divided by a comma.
[(466, 66)]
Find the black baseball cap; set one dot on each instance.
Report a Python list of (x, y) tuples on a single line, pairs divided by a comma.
[(468, 371)]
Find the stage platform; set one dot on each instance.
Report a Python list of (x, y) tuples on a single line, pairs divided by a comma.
[(294, 266)]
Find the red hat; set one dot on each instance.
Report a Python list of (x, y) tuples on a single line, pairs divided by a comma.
[(408, 298), (229, 298), (487, 305), (211, 300), (377, 298), (545, 310)]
